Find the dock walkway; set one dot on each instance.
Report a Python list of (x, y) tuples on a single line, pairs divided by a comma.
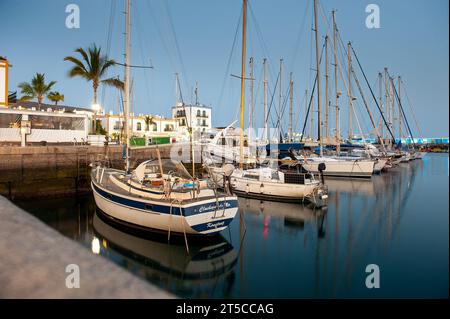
[(35, 257)]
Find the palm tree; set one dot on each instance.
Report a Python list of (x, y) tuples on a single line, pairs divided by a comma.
[(55, 97), (148, 121), (36, 89), (92, 67)]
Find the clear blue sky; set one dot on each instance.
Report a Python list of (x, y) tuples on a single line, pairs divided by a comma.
[(412, 42)]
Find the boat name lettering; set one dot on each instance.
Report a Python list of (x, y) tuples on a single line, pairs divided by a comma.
[(213, 207), (215, 225)]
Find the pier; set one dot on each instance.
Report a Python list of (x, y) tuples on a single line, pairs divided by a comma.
[(36, 257)]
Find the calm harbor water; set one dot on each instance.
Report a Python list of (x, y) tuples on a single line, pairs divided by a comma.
[(398, 220)]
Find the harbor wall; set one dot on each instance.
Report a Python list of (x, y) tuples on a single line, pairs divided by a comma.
[(39, 262), (49, 171)]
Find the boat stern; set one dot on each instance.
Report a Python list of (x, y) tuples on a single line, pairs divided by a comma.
[(211, 216)]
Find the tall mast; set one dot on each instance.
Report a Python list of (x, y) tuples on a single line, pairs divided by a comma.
[(127, 82), (250, 111), (350, 97), (313, 111), (391, 92), (387, 102), (280, 94), (399, 110), (291, 105), (319, 117), (244, 33), (380, 98), (338, 129), (266, 115), (327, 98)]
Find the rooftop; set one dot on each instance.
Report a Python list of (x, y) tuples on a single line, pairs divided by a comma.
[(180, 106), (30, 104)]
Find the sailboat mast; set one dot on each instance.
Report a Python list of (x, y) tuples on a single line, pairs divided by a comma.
[(380, 98), (319, 117), (280, 96), (127, 82), (338, 129), (250, 111), (244, 33), (291, 105), (327, 98), (392, 110), (266, 115), (387, 102), (399, 110), (350, 97)]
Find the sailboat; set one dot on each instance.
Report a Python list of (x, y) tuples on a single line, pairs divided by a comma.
[(159, 194), (291, 184)]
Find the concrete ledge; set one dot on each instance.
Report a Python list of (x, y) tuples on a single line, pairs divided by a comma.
[(34, 259)]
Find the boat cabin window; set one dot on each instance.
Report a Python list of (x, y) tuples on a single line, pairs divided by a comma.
[(252, 176)]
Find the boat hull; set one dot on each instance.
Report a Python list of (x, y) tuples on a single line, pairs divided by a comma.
[(275, 191), (189, 219), (352, 169), (272, 191)]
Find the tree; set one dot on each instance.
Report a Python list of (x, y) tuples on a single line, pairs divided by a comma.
[(93, 67), (36, 89), (148, 121), (55, 97)]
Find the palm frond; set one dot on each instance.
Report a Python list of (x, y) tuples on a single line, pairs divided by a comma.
[(77, 63), (85, 57), (106, 65), (114, 82), (26, 98)]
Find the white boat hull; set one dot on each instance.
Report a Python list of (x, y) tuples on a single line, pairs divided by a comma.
[(379, 165), (275, 190), (272, 190), (356, 168), (124, 209)]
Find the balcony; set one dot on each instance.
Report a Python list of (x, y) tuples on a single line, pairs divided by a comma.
[(180, 114)]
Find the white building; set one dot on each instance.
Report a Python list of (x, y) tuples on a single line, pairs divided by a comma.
[(196, 116), (25, 122), (159, 127)]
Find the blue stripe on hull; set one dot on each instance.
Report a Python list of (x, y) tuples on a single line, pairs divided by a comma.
[(165, 209)]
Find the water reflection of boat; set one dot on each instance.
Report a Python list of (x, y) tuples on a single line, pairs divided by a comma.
[(209, 262), (359, 186), (293, 216), (290, 211)]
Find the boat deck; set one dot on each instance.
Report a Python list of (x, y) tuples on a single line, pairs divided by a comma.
[(108, 184)]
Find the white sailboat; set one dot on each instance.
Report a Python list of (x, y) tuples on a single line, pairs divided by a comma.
[(339, 167), (294, 184), (159, 194), (273, 184)]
